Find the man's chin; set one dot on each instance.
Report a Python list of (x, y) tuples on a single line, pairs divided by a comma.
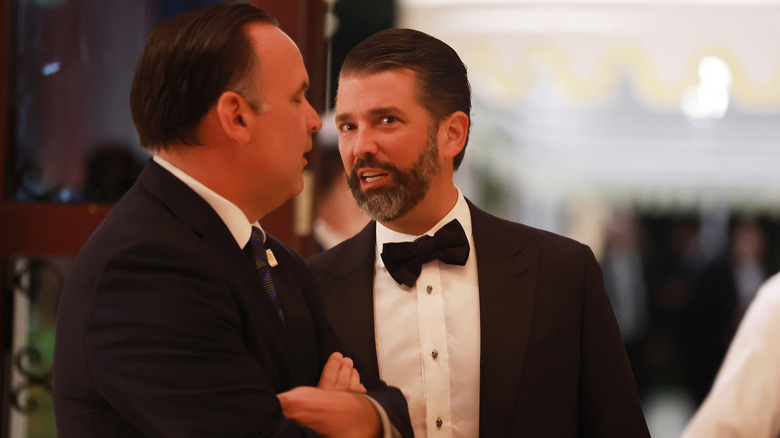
[(295, 189), (375, 191)]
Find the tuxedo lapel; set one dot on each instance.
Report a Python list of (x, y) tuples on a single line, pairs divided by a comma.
[(349, 283), (507, 267)]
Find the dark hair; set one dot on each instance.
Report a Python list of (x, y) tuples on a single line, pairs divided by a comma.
[(188, 62), (443, 82)]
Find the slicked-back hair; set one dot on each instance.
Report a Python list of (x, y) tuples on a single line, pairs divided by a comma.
[(188, 62), (443, 84)]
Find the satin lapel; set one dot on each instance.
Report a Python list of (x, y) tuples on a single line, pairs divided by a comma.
[(350, 294), (507, 266)]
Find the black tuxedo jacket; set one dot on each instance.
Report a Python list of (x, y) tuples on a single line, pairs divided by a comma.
[(552, 360), (163, 329)]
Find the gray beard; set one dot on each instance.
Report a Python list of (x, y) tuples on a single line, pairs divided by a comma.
[(409, 186)]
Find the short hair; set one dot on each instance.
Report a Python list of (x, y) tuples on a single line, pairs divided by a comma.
[(443, 81), (188, 62)]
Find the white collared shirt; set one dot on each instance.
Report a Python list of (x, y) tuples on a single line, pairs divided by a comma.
[(428, 336)]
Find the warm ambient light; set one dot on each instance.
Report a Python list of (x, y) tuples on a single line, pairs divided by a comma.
[(709, 99)]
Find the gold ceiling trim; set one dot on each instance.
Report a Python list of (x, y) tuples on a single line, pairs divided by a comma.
[(515, 83)]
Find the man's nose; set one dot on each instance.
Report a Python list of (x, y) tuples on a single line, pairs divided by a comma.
[(315, 122), (365, 144)]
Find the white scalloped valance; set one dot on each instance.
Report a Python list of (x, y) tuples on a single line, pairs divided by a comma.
[(588, 45), (663, 104)]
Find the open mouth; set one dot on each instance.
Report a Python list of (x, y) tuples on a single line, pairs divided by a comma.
[(373, 178)]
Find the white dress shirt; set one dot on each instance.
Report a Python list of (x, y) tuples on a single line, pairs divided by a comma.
[(428, 336), (745, 399)]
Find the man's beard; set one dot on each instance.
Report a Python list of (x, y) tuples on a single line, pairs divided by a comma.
[(409, 186)]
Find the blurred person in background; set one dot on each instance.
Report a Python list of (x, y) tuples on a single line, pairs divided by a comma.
[(720, 293), (745, 398)]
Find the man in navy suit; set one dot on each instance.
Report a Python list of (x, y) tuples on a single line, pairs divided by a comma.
[(490, 328), (181, 317)]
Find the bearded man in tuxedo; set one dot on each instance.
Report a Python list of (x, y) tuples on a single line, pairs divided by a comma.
[(490, 328)]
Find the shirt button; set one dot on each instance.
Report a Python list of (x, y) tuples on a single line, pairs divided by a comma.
[(429, 289), (439, 422), (435, 354)]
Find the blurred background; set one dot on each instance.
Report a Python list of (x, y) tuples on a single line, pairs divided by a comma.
[(646, 129)]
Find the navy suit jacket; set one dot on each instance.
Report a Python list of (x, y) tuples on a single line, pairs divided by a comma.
[(552, 359), (163, 329)]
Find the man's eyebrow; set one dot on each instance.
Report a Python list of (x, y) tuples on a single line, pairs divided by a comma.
[(374, 112), (384, 110)]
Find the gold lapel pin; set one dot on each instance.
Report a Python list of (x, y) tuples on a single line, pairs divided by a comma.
[(271, 258)]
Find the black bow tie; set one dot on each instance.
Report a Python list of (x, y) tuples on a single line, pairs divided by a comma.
[(404, 260)]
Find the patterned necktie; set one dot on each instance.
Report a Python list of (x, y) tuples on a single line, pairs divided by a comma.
[(404, 260), (255, 249)]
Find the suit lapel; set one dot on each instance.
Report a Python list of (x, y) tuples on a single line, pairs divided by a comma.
[(194, 212), (507, 267)]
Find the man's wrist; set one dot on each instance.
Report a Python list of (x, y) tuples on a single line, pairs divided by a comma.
[(388, 430)]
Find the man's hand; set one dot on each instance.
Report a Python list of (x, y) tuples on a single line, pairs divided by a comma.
[(339, 374), (332, 413)]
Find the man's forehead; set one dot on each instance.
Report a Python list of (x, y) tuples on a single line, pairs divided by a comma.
[(366, 75), (375, 90), (392, 82)]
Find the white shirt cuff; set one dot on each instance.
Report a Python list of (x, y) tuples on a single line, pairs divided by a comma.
[(388, 430)]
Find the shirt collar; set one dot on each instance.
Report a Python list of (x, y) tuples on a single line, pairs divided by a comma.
[(460, 212), (231, 215)]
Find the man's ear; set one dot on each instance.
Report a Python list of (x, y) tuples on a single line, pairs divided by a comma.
[(453, 132), (235, 116)]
